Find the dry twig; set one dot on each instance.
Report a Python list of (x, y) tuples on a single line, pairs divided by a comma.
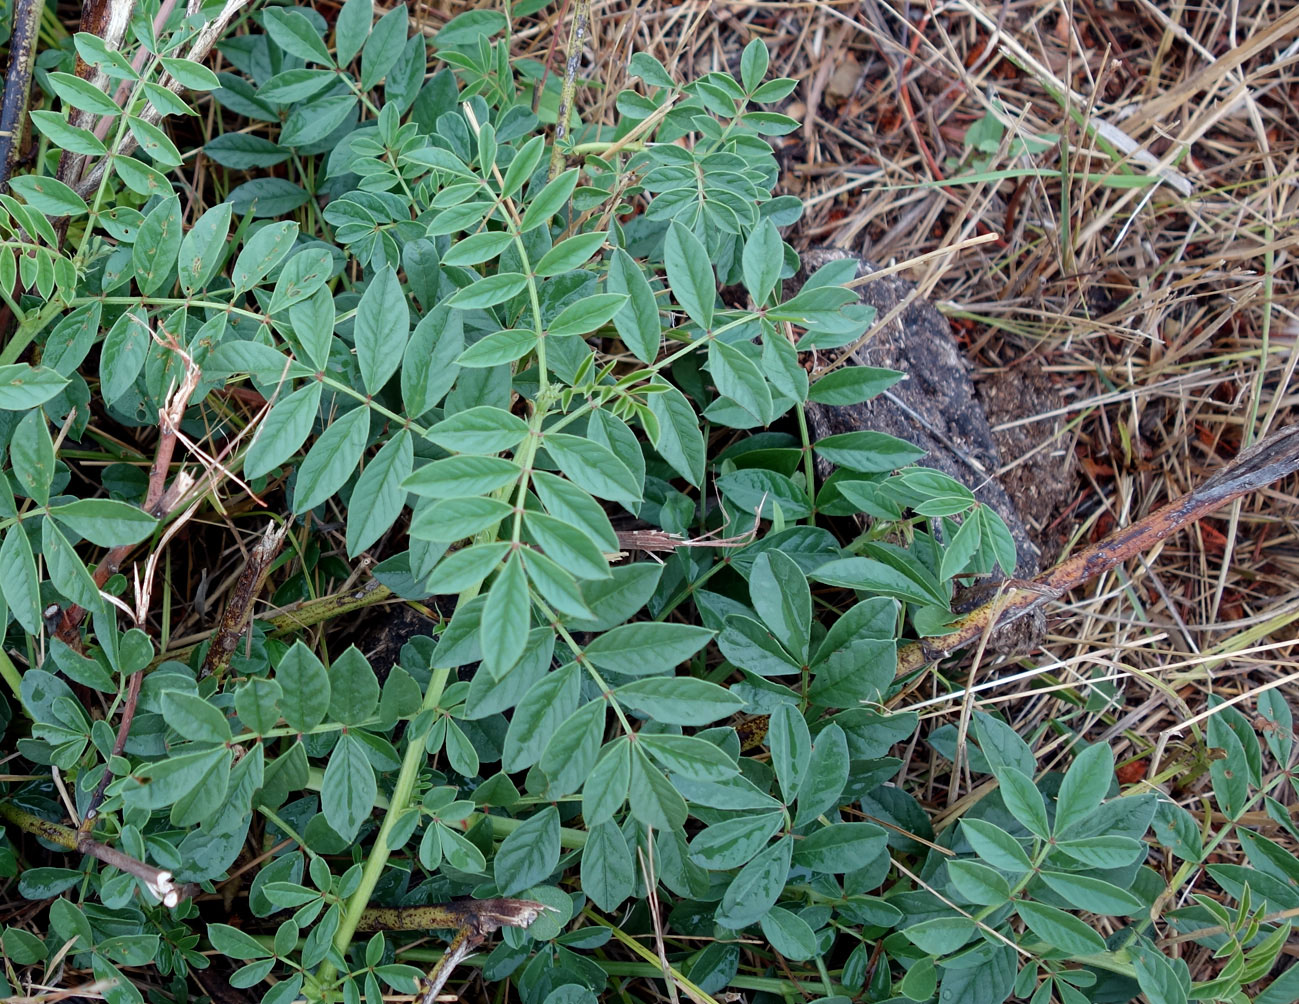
[(1255, 468)]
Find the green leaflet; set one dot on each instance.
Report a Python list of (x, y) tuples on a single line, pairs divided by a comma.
[(123, 354), (608, 871), (332, 459), (753, 892), (647, 648), (459, 476), (381, 328), (66, 570), (203, 248), (506, 617), (571, 752), (593, 467), (378, 498), (690, 274), (157, 245), (482, 429), (18, 581), (455, 375), (305, 685), (284, 429), (348, 787), (529, 854), (31, 450)]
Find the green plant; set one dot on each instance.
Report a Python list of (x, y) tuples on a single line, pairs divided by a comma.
[(424, 344)]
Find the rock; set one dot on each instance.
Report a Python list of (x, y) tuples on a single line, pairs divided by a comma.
[(939, 409)]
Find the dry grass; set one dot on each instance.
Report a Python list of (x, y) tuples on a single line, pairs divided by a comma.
[(1136, 177)]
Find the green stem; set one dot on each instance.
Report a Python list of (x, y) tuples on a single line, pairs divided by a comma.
[(171, 301), (525, 459), (502, 826), (686, 591), (1040, 852), (604, 146), (809, 469), (690, 346), (401, 795), (361, 95), (667, 971), (11, 675), (31, 325), (12, 304), (55, 833), (338, 386), (316, 730), (542, 376), (586, 664), (287, 830), (632, 970)]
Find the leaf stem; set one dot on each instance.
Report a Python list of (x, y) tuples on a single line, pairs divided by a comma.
[(502, 826), (11, 676), (809, 469), (605, 690), (32, 322), (401, 795), (171, 301)]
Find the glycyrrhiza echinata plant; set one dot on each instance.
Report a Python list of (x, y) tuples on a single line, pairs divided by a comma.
[(409, 329)]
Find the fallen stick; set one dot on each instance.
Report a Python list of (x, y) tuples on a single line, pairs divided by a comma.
[(238, 612), (473, 920), (158, 881), (1256, 467), (484, 916)]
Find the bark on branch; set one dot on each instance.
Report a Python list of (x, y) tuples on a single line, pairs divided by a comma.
[(1256, 467), (474, 920), (157, 880)]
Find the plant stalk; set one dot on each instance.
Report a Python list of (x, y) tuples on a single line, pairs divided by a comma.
[(9, 673), (18, 85), (401, 794)]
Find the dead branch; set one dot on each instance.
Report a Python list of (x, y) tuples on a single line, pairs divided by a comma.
[(106, 19), (1257, 467), (18, 84), (158, 881), (197, 52), (160, 500), (484, 916), (238, 609), (473, 920)]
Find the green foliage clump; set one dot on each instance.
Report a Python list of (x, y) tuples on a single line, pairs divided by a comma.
[(479, 354)]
